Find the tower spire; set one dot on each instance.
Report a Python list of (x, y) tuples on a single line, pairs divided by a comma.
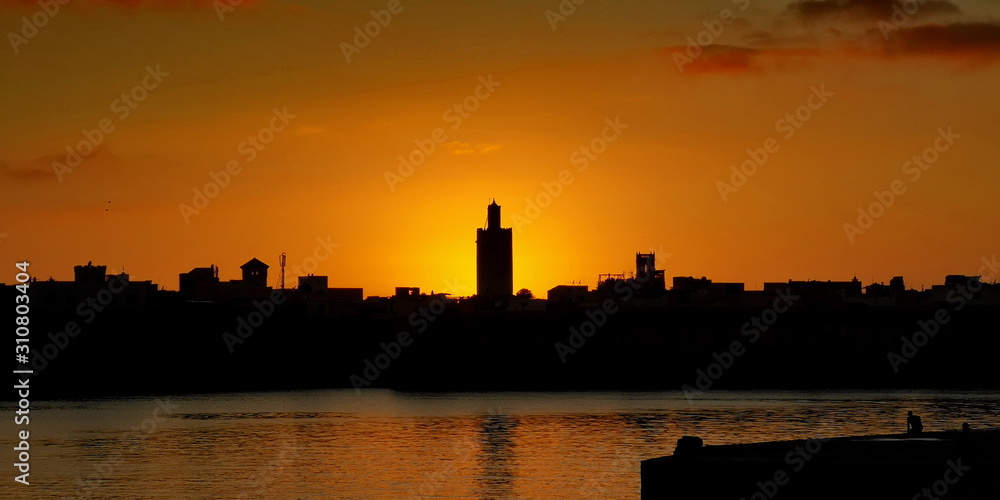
[(493, 216)]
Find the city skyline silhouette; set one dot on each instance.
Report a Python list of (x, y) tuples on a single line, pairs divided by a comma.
[(566, 249), (495, 264)]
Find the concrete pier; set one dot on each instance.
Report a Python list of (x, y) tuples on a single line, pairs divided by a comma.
[(948, 465)]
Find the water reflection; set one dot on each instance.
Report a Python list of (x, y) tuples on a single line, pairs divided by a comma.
[(651, 425), (497, 460), (381, 445)]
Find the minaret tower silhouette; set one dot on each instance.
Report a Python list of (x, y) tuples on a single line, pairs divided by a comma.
[(494, 257)]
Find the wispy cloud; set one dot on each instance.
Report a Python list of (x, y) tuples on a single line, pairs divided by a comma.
[(40, 168), (465, 148), (136, 4)]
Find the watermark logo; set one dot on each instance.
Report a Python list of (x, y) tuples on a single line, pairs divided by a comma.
[(713, 30), (245, 326), (796, 459), (37, 21), (456, 115), (751, 332), (958, 298), (134, 437), (939, 488), (363, 35), (123, 106), (562, 12), (596, 318), (902, 12), (223, 7), (915, 168), (420, 320), (220, 179), (787, 125), (88, 311), (581, 157)]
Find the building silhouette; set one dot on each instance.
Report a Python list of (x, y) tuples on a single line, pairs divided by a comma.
[(494, 256), (199, 282), (90, 275), (203, 283), (255, 272), (651, 278), (312, 283), (567, 294)]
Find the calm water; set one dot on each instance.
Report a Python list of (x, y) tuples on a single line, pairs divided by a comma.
[(385, 445)]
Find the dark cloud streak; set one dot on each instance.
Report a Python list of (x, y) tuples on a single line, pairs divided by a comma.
[(39, 168), (982, 39), (851, 29), (810, 11)]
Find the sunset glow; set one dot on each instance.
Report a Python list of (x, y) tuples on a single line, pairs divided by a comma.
[(601, 133)]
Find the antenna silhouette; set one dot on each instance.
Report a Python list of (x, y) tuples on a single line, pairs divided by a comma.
[(281, 273)]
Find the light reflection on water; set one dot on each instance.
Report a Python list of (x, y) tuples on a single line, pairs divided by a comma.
[(385, 445)]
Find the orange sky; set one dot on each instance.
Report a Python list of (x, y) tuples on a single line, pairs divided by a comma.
[(655, 186)]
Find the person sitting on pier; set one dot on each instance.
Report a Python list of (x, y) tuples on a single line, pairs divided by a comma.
[(913, 424)]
